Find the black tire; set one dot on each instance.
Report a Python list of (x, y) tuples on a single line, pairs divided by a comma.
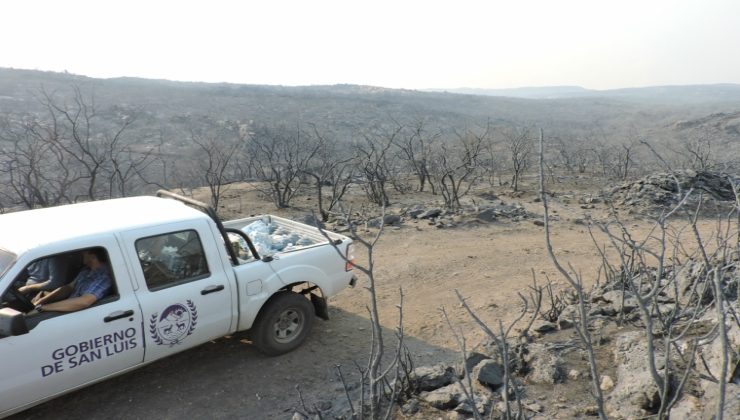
[(283, 324)]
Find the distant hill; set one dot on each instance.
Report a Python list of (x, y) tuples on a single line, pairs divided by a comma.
[(546, 92), (347, 110), (688, 94)]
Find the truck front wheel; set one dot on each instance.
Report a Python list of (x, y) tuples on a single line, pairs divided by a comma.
[(283, 324)]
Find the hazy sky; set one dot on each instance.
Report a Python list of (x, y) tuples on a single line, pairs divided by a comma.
[(400, 44)]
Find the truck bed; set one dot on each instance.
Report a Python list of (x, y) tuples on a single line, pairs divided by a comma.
[(286, 235)]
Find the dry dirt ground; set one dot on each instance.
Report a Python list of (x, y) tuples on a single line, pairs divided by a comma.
[(228, 378)]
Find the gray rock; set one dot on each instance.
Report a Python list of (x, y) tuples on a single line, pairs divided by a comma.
[(433, 377), (731, 409), (598, 310), (392, 220), (599, 322), (444, 398), (431, 213), (634, 391), (713, 352), (665, 308), (659, 191), (615, 303), (411, 407), (389, 220), (489, 373), (568, 316), (472, 361), (544, 366), (536, 407), (324, 405), (607, 383), (689, 407), (487, 215), (612, 296), (543, 327), (374, 223), (415, 213), (481, 404), (310, 219)]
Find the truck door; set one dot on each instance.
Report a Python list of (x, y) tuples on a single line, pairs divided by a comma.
[(185, 294), (63, 351)]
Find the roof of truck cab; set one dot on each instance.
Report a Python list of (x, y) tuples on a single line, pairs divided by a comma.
[(28, 229)]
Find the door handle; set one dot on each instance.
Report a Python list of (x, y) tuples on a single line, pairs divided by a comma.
[(118, 315), (212, 289)]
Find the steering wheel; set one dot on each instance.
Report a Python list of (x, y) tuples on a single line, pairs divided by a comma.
[(25, 301)]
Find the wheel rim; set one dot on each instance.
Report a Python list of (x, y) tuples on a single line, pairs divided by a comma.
[(288, 325)]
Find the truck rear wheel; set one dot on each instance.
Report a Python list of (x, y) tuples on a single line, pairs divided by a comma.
[(283, 324)]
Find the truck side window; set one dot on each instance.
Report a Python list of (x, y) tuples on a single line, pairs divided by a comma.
[(39, 281), (171, 258)]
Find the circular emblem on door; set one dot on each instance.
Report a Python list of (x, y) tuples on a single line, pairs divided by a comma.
[(175, 323)]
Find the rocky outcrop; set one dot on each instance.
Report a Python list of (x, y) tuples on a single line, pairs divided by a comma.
[(663, 190), (635, 394), (540, 361)]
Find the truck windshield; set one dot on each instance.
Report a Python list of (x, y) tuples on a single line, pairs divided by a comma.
[(7, 259)]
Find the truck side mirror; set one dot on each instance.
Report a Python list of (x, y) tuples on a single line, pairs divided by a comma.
[(12, 322)]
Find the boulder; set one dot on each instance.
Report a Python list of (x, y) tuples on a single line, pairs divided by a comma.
[(481, 403), (488, 373), (430, 213), (534, 407), (310, 219), (607, 383), (731, 409), (487, 215), (689, 407), (388, 220), (444, 398), (542, 327), (635, 393), (660, 190), (428, 378), (415, 213), (411, 407), (472, 361), (617, 300), (392, 220), (544, 366), (568, 316), (713, 352)]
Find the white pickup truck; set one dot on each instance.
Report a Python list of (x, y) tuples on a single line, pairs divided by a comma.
[(180, 278)]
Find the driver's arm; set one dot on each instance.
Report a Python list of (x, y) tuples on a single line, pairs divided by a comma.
[(58, 294), (72, 304), (33, 287)]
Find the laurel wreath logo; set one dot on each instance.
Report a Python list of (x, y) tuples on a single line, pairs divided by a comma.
[(153, 329), (193, 316), (154, 323)]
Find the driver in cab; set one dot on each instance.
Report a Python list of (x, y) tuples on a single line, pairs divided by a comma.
[(91, 284)]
